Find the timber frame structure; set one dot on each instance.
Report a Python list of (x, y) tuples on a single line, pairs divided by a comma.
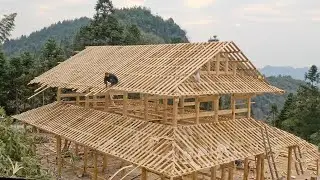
[(166, 114)]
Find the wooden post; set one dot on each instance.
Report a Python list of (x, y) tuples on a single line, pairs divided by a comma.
[(105, 162), (213, 171), (262, 167), (194, 176), (234, 69), (87, 100), (246, 169), (85, 161), (181, 105), (145, 107), (125, 104), (209, 66), (226, 68), (175, 111), (59, 95), (289, 163), (223, 172), (143, 174), (217, 65), (249, 107), (165, 111), (216, 109), (94, 102), (317, 167), (95, 174), (231, 170), (76, 145), (258, 167), (157, 105), (59, 159), (233, 106), (197, 108)]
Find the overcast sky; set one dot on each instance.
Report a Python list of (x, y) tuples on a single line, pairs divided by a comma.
[(270, 32)]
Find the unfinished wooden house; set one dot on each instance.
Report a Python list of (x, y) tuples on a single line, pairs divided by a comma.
[(179, 111)]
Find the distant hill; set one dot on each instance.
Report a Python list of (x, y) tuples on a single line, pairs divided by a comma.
[(261, 107), (153, 27), (296, 73)]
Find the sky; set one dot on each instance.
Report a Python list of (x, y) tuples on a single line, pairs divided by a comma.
[(269, 32)]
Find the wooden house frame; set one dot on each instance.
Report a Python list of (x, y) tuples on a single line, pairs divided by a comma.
[(155, 118)]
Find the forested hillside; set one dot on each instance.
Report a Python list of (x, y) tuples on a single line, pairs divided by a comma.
[(154, 29), (262, 105)]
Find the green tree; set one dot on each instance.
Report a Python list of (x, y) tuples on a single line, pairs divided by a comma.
[(312, 76), (132, 35), (285, 111), (274, 111), (6, 26), (51, 55)]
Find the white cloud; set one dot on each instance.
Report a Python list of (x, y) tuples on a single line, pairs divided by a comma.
[(128, 3), (199, 22), (198, 3)]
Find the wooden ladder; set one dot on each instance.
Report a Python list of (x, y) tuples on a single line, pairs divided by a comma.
[(298, 160), (269, 154)]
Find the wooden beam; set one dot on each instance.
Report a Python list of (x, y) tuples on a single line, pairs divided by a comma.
[(318, 173), (262, 167), (95, 172), (59, 158), (145, 105), (143, 174), (59, 94), (234, 69), (258, 167), (246, 169), (85, 161), (105, 163), (213, 171), (194, 176), (233, 107), (197, 108), (175, 111), (226, 66), (125, 104), (223, 172), (87, 100), (216, 109), (289, 163), (165, 110), (231, 170), (249, 107)]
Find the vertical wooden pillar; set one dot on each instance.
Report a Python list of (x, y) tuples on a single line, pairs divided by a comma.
[(143, 174), (234, 69), (59, 95), (125, 104), (87, 105), (197, 108), (85, 161), (59, 159), (223, 172), (217, 65), (231, 170), (226, 68), (95, 173), (106, 102), (246, 169), (195, 176), (249, 107), (175, 111), (289, 163), (318, 173), (105, 162), (165, 110), (262, 167), (258, 167), (157, 105), (94, 101), (76, 145), (145, 107), (181, 105), (216, 109), (213, 171), (233, 106)]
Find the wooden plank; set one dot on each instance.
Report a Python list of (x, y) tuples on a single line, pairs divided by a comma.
[(175, 111), (143, 174), (216, 109), (231, 170), (289, 163), (85, 161), (59, 94), (165, 110), (105, 162), (262, 167), (95, 171), (249, 107), (145, 105), (59, 159), (233, 107), (258, 167), (317, 161), (223, 172), (213, 171), (125, 104), (246, 169), (197, 109)]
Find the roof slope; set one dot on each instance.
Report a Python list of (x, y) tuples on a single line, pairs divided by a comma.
[(161, 148), (153, 69)]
